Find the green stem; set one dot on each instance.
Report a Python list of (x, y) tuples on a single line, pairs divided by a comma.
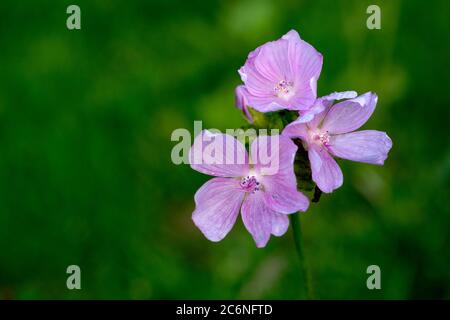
[(297, 232)]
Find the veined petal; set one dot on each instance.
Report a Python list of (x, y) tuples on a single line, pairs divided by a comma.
[(256, 84), (292, 35), (349, 115), (257, 218), (306, 65), (325, 171), (241, 101), (217, 205), (267, 103), (272, 154), (219, 155), (322, 106), (308, 115), (280, 224), (340, 95), (272, 61), (306, 61), (318, 118), (273, 158), (296, 129), (281, 194), (250, 59), (369, 146)]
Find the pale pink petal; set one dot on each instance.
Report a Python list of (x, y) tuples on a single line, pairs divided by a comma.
[(272, 154), (250, 61), (325, 171), (349, 115), (273, 158), (318, 118), (340, 95), (368, 146), (217, 205), (322, 106), (257, 218), (292, 35), (281, 194), (272, 61), (305, 96), (306, 62), (219, 155), (256, 83), (267, 103), (306, 65), (296, 129), (308, 115), (280, 224), (241, 101)]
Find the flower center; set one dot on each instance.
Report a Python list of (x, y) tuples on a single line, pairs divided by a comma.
[(322, 138), (250, 184), (284, 89)]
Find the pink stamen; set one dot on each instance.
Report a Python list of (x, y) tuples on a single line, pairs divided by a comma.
[(250, 184)]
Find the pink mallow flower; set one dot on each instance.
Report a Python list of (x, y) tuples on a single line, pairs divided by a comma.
[(282, 74), (263, 196), (330, 134)]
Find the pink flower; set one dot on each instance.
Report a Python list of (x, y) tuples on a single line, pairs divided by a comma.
[(263, 196), (282, 74), (242, 103), (330, 134)]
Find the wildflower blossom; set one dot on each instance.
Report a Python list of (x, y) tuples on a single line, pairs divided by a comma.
[(282, 74), (263, 196), (330, 133)]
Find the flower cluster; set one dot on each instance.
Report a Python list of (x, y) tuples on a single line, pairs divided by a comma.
[(280, 82)]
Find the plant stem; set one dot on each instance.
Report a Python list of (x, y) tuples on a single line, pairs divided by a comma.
[(298, 240)]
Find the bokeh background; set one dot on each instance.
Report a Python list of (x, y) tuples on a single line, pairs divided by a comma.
[(86, 176)]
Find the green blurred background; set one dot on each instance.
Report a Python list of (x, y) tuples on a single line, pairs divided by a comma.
[(85, 171)]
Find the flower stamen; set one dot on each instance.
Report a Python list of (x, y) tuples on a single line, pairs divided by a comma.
[(284, 89), (250, 184), (322, 138)]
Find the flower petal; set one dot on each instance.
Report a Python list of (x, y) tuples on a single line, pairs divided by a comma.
[(340, 95), (219, 155), (368, 146), (272, 154), (292, 35), (325, 171), (273, 158), (296, 129), (349, 115), (308, 115), (250, 60), (280, 224), (281, 194), (272, 61), (217, 205), (322, 106), (255, 82), (306, 65), (267, 103), (242, 102), (257, 218)]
